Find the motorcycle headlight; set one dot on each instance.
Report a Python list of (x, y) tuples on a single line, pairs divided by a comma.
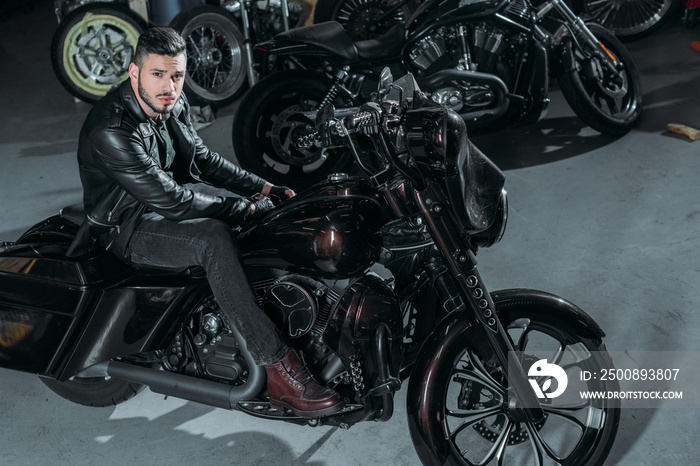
[(426, 131), (495, 232)]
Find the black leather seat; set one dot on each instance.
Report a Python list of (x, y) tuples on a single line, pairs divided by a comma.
[(329, 36)]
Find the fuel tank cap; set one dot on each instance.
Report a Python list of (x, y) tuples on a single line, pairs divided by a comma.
[(335, 177)]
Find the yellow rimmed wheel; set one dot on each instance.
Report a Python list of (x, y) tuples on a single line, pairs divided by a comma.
[(92, 48)]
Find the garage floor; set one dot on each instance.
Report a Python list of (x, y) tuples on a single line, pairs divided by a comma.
[(611, 224)]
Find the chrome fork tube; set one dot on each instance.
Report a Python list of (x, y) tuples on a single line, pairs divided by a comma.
[(248, 44)]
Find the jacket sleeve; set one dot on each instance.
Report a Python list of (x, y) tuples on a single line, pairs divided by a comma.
[(216, 169), (121, 155)]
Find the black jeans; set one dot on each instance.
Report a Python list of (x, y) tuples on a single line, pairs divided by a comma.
[(210, 243)]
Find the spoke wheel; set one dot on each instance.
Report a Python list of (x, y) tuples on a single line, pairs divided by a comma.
[(609, 101), (271, 118), (216, 66), (630, 19), (91, 50), (466, 409)]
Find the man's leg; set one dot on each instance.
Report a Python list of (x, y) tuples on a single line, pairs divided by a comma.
[(162, 243), (176, 245)]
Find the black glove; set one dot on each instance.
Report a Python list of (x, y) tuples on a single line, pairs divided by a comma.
[(260, 205), (281, 193)]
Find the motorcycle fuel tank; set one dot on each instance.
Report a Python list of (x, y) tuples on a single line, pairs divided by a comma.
[(329, 230)]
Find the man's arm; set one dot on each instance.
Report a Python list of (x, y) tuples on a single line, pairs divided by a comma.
[(122, 156)]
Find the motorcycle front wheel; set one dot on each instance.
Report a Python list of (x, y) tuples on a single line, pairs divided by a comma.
[(364, 19), (269, 120), (462, 414), (216, 64), (92, 48), (609, 101)]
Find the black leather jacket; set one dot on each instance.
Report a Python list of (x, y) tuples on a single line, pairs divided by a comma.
[(121, 172)]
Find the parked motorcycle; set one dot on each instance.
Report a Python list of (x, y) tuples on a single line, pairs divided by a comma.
[(221, 61), (367, 19), (93, 46), (490, 61), (373, 282)]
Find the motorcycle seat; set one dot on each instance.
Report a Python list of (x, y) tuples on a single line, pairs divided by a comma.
[(329, 36), (386, 45)]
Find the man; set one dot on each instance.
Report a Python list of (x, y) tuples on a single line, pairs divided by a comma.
[(155, 195)]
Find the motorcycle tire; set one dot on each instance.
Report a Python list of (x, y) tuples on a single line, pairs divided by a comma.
[(94, 391), (216, 62), (464, 409), (268, 118), (359, 17), (92, 48), (610, 104), (628, 19)]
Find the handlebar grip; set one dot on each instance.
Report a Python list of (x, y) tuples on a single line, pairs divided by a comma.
[(359, 120)]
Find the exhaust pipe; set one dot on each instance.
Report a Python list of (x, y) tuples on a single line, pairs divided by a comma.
[(189, 388), (479, 117)]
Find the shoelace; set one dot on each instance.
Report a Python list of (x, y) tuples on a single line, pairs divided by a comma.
[(301, 374)]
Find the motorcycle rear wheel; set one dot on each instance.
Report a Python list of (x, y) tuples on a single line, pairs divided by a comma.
[(266, 122), (216, 64), (92, 48), (464, 418), (610, 103)]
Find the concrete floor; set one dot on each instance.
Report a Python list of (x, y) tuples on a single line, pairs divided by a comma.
[(611, 224)]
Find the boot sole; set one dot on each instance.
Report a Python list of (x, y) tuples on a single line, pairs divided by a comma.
[(319, 413)]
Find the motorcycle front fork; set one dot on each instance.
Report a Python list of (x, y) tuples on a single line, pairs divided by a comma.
[(249, 41), (582, 34), (461, 264)]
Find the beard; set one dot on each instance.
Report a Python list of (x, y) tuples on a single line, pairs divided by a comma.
[(152, 104)]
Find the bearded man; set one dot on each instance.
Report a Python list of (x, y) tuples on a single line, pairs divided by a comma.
[(157, 196)]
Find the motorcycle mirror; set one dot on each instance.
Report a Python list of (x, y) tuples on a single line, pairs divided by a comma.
[(385, 81), (324, 115)]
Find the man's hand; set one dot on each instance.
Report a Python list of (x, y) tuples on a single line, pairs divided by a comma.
[(282, 193), (278, 193), (259, 204)]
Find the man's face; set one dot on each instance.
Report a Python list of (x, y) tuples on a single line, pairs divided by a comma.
[(158, 82)]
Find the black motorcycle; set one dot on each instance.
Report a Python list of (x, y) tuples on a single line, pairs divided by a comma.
[(373, 282), (367, 19), (490, 61)]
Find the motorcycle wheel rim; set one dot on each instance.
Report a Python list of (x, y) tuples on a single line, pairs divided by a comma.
[(627, 18), (215, 63), (97, 52), (479, 428), (612, 95)]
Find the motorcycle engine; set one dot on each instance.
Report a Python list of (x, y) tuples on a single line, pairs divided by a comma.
[(207, 348), (428, 51)]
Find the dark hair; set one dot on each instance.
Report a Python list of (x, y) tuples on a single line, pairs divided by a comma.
[(159, 41)]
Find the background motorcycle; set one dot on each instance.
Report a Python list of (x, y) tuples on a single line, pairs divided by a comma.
[(367, 19), (95, 42), (221, 62), (490, 61), (372, 282)]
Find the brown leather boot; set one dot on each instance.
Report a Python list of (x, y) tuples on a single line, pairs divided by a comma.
[(290, 384)]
